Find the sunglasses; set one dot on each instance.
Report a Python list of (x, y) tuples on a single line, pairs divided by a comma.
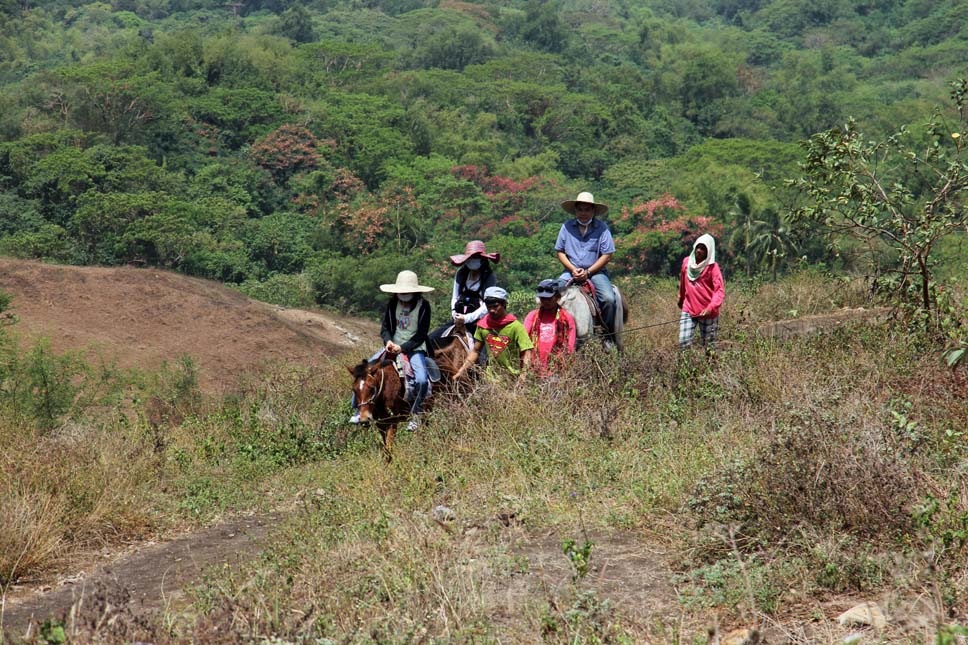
[(493, 303)]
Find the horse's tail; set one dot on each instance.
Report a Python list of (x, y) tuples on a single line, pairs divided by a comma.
[(625, 305)]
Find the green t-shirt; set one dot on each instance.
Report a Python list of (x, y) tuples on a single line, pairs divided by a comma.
[(504, 346)]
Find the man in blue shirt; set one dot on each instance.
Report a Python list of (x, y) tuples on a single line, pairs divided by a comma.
[(584, 247)]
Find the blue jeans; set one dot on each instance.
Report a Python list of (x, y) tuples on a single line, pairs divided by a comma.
[(604, 294), (418, 361)]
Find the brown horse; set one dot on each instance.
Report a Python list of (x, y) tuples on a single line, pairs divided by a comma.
[(450, 352), (380, 395)]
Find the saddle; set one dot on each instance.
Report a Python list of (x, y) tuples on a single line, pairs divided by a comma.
[(466, 338), (405, 370), (588, 290)]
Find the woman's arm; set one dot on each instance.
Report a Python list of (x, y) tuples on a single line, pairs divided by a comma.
[(682, 284), (719, 288), (387, 326)]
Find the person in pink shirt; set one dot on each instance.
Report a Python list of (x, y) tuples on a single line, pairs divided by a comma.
[(701, 293), (551, 329)]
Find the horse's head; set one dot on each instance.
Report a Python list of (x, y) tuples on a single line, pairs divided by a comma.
[(360, 373), (574, 302), (376, 386)]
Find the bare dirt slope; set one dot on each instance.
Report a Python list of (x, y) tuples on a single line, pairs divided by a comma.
[(144, 317)]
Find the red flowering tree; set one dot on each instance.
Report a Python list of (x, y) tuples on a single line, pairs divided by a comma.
[(505, 199), (287, 150), (654, 236), (391, 220)]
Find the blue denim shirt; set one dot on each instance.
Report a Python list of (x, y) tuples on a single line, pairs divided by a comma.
[(585, 251)]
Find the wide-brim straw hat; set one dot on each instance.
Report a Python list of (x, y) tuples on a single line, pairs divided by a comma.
[(584, 198), (472, 248), (406, 283)]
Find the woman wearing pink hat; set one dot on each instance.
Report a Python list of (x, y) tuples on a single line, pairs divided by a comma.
[(474, 275)]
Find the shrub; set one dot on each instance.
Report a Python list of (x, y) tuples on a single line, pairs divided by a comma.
[(824, 468)]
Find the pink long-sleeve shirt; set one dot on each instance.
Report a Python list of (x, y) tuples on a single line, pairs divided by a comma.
[(707, 292)]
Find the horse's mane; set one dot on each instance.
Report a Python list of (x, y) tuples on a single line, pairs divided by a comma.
[(359, 370)]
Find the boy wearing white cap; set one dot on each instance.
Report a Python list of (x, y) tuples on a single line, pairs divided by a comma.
[(508, 344)]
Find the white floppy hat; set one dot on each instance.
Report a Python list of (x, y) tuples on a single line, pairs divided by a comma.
[(584, 198), (406, 283)]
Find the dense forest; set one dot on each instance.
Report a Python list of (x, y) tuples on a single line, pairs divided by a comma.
[(307, 152)]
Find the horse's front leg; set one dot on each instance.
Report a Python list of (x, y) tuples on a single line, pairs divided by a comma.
[(388, 432)]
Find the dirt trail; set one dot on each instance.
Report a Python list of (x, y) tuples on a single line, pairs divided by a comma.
[(154, 574)]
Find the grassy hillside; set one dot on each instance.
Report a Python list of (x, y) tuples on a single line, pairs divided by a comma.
[(765, 482)]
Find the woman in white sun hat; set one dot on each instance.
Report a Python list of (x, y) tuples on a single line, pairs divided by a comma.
[(406, 323)]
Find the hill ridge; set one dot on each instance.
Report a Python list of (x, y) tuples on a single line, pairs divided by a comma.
[(143, 317)]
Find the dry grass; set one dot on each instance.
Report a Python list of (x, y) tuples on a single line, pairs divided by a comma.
[(66, 491), (781, 464)]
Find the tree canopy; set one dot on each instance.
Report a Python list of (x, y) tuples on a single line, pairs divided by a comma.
[(252, 141)]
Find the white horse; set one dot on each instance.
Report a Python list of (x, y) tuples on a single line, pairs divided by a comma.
[(578, 304)]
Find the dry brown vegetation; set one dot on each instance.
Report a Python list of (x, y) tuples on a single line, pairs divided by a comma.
[(637, 498)]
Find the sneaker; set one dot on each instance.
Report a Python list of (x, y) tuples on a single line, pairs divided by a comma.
[(413, 425), (355, 418)]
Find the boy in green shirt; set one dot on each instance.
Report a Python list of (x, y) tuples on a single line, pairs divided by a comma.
[(508, 344)]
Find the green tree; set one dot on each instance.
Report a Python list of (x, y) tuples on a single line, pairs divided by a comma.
[(238, 116), (543, 27), (895, 193), (296, 24), (48, 241), (706, 81), (279, 242), (454, 48), (102, 219), (110, 98), (763, 238)]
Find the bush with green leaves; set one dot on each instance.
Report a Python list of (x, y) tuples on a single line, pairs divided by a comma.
[(905, 193)]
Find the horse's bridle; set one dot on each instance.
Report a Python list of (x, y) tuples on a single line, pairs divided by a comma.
[(378, 390)]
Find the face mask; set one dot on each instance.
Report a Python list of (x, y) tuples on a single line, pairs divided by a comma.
[(473, 264), (404, 297)]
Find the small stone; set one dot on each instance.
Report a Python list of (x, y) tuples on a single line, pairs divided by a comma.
[(741, 637), (442, 513), (866, 614)]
